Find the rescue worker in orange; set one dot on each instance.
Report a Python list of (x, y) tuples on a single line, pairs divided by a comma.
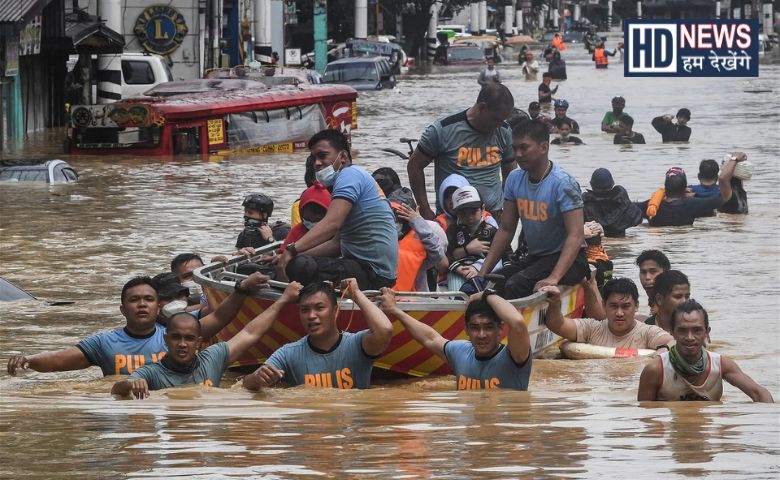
[(558, 43), (422, 244), (601, 54)]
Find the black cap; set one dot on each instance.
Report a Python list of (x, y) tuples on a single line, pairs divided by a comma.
[(601, 180), (168, 286)]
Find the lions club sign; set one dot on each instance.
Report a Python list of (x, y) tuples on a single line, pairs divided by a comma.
[(161, 29)]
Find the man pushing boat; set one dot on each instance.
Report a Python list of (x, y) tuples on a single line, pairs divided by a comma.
[(140, 342), (482, 361)]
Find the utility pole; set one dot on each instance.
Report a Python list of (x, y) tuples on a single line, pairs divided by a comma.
[(320, 35)]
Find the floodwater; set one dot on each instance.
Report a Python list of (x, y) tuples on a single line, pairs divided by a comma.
[(129, 216)]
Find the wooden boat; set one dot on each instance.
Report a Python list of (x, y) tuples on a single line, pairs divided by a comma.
[(212, 116), (441, 310)]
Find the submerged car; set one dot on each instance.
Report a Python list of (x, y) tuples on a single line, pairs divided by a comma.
[(48, 171), (361, 73), (459, 55)]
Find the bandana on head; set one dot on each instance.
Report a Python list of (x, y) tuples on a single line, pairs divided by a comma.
[(674, 171)]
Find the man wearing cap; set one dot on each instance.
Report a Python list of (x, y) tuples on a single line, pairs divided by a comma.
[(421, 243), (674, 132), (257, 233), (475, 143), (677, 208), (547, 201), (171, 296), (530, 67), (610, 122), (561, 107), (609, 205)]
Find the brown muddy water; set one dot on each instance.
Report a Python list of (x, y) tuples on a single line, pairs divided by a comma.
[(129, 216)]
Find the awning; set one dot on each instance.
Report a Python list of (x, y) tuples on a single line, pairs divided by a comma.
[(21, 11), (89, 35)]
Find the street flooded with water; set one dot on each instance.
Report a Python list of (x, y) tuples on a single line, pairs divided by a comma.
[(580, 419)]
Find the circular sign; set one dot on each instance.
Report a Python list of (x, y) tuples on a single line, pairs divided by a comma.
[(161, 29)]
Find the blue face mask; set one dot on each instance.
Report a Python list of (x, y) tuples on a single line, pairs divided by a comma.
[(326, 176), (309, 225)]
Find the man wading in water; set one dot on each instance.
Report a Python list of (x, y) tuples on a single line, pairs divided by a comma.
[(481, 362), (688, 371)]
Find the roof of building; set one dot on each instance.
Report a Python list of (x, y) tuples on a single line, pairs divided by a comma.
[(20, 11)]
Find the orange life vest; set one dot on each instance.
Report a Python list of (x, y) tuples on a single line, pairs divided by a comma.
[(411, 255), (600, 58), (442, 221)]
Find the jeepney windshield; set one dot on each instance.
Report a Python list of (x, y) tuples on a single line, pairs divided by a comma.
[(107, 137), (351, 72)]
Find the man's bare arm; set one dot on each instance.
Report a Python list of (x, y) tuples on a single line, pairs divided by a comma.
[(735, 376), (64, 360), (416, 170)]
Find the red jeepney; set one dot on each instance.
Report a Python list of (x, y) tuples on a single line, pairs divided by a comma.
[(212, 116)]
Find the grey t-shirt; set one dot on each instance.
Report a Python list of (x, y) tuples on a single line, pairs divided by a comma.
[(456, 147), (345, 366), (210, 364), (498, 371)]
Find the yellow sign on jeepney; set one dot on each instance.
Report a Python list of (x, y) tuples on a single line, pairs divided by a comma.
[(286, 147), (216, 132)]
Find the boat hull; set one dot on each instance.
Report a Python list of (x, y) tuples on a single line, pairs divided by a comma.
[(404, 355)]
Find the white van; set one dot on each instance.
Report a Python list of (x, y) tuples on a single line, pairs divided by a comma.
[(140, 72)]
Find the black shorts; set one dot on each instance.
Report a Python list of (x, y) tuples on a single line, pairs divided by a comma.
[(307, 269)]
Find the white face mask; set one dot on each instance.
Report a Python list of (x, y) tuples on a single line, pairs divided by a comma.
[(326, 176), (309, 225), (194, 288), (172, 308)]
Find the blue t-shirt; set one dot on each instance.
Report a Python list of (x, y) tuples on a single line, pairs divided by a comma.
[(368, 233), (346, 366), (210, 364), (705, 191), (119, 353), (456, 147), (498, 371), (541, 207)]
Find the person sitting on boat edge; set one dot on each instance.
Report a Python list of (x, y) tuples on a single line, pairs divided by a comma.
[(140, 341), (620, 330), (651, 263), (625, 134), (185, 365), (564, 137), (670, 289), (326, 357), (469, 239), (547, 201), (688, 371), (421, 243), (475, 143), (257, 231), (482, 362), (609, 205), (313, 207), (357, 237)]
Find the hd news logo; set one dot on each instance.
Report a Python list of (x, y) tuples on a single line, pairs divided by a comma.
[(691, 48)]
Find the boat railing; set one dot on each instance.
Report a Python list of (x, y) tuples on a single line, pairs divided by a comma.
[(223, 276)]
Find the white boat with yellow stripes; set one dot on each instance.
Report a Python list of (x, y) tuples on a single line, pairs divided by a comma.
[(441, 310)]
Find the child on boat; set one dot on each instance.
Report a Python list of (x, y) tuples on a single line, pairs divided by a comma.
[(469, 239)]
